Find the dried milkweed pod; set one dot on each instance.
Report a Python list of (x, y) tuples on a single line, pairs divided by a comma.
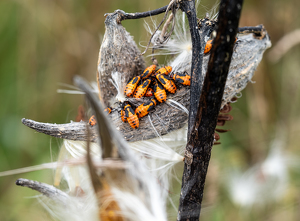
[(118, 53)]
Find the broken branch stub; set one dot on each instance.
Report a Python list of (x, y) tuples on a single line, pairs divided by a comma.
[(45, 189)]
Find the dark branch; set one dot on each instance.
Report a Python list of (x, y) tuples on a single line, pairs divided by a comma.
[(197, 56), (45, 189), (137, 15), (198, 150)]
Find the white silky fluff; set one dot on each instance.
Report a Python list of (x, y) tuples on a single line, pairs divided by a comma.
[(180, 43), (77, 178), (161, 154), (76, 90), (75, 175), (133, 206), (265, 182), (119, 85), (74, 208), (151, 208)]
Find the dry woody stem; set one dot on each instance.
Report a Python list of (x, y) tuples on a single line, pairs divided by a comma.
[(198, 150), (45, 189), (197, 56), (138, 15)]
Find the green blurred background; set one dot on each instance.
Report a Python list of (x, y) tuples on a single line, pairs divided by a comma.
[(46, 42)]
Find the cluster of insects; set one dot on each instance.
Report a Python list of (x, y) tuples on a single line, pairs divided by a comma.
[(153, 84)]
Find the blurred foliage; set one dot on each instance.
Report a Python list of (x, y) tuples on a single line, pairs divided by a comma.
[(45, 42)]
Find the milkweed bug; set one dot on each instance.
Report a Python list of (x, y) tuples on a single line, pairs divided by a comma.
[(182, 78), (149, 92), (141, 90), (131, 117), (144, 108), (107, 110), (164, 70), (208, 46), (130, 87), (148, 71), (159, 92), (168, 84), (123, 117), (92, 121)]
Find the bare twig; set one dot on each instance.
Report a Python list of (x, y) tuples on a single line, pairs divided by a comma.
[(197, 56), (165, 27), (137, 15), (45, 189), (71, 131), (201, 138)]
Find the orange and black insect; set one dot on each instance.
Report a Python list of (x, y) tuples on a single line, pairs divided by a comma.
[(182, 78), (164, 70), (142, 89), (130, 87), (107, 110), (208, 46), (168, 84), (123, 117), (148, 71), (149, 92), (131, 117), (144, 108), (159, 92), (92, 121)]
